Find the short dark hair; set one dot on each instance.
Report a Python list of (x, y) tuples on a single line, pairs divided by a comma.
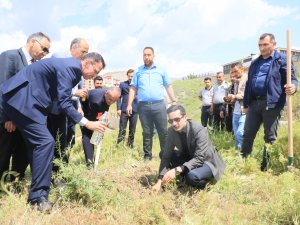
[(238, 64), (174, 108), (39, 36), (263, 36), (207, 78), (98, 78), (149, 48), (96, 57), (129, 71), (219, 72)]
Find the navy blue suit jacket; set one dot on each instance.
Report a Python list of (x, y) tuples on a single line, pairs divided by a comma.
[(123, 100), (33, 90)]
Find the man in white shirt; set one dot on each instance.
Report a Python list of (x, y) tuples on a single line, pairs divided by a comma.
[(205, 95)]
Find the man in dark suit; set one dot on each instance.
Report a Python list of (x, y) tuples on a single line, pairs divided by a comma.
[(98, 101), (11, 62), (189, 151), (124, 117), (27, 99), (60, 126)]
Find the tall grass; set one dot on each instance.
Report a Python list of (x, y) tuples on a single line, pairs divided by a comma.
[(119, 191)]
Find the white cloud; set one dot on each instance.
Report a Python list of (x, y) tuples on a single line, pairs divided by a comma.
[(182, 32), (5, 4)]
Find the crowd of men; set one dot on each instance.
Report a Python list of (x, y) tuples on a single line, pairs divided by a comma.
[(251, 100), (41, 100)]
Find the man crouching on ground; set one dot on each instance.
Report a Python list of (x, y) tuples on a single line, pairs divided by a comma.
[(189, 151)]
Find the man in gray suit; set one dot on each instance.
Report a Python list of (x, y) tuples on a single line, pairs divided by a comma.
[(189, 151), (11, 62)]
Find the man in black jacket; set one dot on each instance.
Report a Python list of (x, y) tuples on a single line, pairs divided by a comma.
[(189, 151)]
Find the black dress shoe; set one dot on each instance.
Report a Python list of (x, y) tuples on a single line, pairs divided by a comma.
[(147, 159), (265, 161), (42, 204)]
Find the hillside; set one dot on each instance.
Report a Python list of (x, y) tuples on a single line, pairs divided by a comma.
[(119, 192)]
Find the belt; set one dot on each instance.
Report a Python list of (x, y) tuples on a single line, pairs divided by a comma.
[(264, 97), (150, 102)]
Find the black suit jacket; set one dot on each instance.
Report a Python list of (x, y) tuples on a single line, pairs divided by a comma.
[(11, 62), (200, 150)]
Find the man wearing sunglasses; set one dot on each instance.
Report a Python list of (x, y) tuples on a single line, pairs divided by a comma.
[(189, 152), (11, 62), (27, 98)]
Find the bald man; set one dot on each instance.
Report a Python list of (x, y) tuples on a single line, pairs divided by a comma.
[(98, 101)]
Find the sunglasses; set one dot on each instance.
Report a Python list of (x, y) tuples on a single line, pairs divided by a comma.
[(177, 120), (45, 49)]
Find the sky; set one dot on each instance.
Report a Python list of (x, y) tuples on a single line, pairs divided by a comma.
[(188, 36)]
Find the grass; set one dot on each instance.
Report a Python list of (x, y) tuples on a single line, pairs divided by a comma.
[(119, 191)]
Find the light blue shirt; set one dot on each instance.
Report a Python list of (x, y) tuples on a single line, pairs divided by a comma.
[(150, 83)]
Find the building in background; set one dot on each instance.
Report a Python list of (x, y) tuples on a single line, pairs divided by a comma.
[(111, 79)]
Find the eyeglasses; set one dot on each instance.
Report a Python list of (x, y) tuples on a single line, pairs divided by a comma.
[(177, 120), (45, 49)]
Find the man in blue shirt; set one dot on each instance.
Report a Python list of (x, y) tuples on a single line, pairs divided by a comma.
[(149, 83), (265, 95), (121, 107)]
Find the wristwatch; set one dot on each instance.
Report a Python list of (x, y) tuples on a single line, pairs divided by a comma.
[(176, 170)]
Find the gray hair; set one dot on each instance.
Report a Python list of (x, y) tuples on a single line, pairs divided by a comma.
[(76, 42), (38, 36), (263, 36)]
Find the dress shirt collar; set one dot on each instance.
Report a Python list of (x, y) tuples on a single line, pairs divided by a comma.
[(152, 67), (27, 55)]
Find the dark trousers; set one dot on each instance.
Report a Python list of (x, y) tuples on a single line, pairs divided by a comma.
[(151, 113), (40, 144), (57, 127), (228, 117), (257, 115), (218, 122), (206, 116), (122, 127), (12, 145), (71, 128), (88, 148), (197, 177)]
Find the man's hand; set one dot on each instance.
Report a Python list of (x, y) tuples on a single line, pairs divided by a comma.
[(244, 110), (157, 186), (119, 112), (99, 126), (222, 114), (290, 89), (129, 110), (170, 175), (81, 93), (80, 111), (9, 126)]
